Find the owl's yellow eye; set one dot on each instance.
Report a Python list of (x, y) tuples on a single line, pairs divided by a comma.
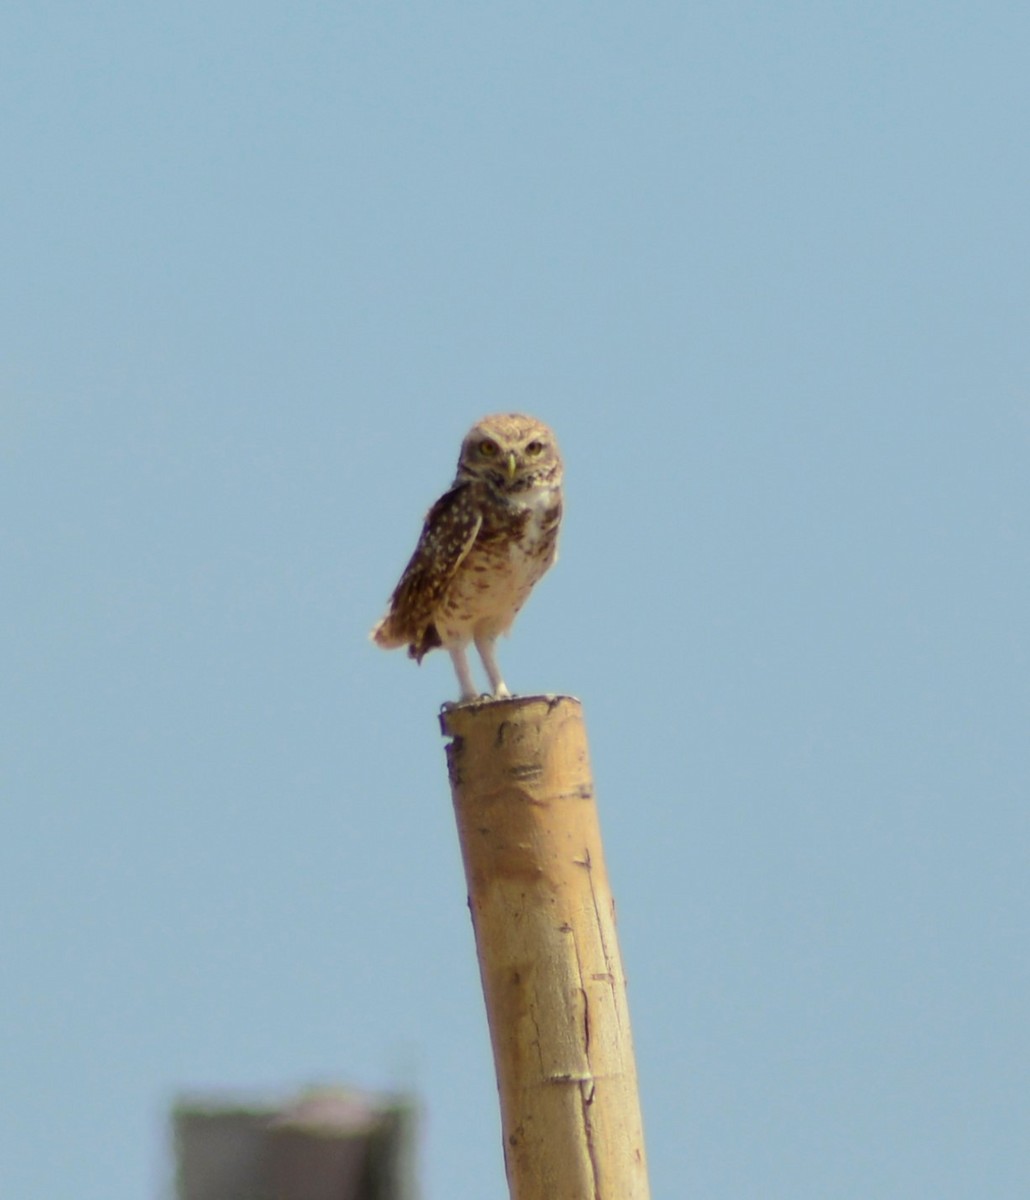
[(487, 448), (534, 448)]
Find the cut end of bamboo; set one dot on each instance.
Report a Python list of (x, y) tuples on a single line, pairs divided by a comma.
[(497, 742), (453, 714)]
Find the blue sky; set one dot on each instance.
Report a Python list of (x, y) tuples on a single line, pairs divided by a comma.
[(765, 270)]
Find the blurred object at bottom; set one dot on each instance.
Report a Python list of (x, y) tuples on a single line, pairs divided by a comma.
[(328, 1144)]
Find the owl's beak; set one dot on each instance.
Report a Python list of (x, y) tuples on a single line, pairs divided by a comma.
[(512, 464)]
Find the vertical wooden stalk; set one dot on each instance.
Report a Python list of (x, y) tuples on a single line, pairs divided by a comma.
[(544, 922)]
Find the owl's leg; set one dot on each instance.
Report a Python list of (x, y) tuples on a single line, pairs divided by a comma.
[(485, 646), (461, 668)]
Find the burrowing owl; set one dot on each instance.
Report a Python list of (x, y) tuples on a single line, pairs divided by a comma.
[(484, 544)]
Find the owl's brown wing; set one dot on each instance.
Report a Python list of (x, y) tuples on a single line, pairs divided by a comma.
[(450, 529)]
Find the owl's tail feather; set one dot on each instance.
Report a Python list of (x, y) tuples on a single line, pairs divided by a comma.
[(385, 634), (389, 635)]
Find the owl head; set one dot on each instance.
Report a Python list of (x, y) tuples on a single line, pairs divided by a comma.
[(512, 452)]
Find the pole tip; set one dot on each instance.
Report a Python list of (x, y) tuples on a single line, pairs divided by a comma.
[(455, 717)]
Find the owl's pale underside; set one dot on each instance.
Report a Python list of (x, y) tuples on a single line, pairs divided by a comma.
[(484, 544)]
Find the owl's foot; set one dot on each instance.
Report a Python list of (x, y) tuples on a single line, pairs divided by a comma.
[(461, 669), (485, 646)]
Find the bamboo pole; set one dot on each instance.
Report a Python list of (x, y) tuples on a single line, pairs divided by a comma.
[(544, 922)]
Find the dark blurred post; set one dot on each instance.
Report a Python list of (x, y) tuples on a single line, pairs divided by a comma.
[(331, 1144), (544, 923)]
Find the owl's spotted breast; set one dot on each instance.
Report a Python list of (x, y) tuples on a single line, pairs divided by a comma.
[(516, 543)]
